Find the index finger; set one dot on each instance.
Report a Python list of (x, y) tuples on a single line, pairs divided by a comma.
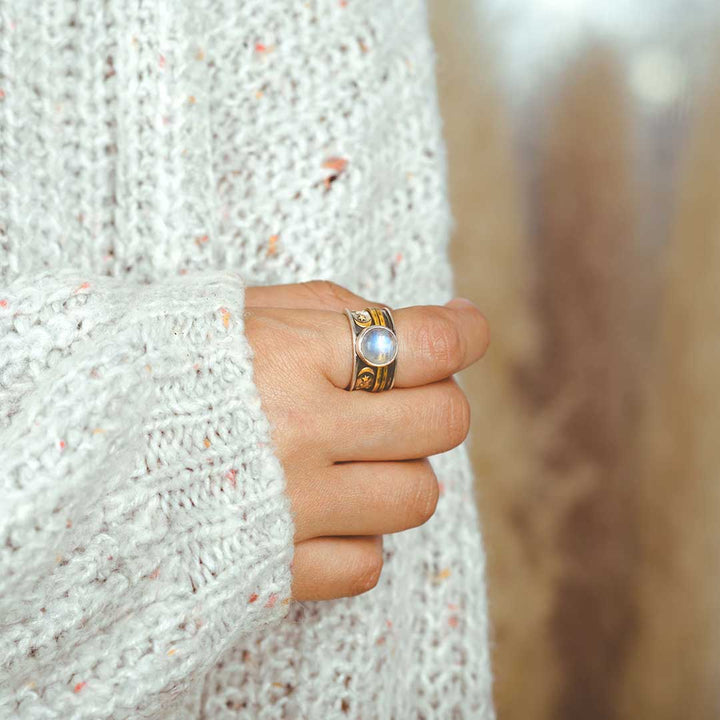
[(434, 343)]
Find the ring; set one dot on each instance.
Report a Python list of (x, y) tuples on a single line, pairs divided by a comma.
[(375, 349)]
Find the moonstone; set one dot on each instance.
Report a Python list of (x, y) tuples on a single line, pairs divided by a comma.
[(378, 346)]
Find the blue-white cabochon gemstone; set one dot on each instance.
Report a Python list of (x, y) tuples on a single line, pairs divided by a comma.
[(378, 346)]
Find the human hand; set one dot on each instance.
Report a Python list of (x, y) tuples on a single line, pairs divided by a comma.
[(356, 463)]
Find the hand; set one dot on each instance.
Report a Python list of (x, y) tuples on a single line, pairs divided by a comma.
[(356, 463)]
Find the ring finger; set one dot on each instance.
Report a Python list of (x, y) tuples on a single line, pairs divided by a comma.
[(368, 498)]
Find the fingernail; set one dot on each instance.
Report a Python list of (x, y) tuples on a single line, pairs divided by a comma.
[(460, 302)]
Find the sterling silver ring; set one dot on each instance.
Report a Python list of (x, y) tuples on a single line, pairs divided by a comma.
[(375, 349)]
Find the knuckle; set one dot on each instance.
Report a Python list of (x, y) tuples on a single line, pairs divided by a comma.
[(328, 292), (484, 333), (455, 415), (425, 495), (266, 329), (262, 333), (441, 341), (367, 573)]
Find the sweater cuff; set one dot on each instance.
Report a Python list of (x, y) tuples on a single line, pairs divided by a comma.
[(215, 500), (162, 529)]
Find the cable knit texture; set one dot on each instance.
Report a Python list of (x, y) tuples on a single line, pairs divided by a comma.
[(156, 156)]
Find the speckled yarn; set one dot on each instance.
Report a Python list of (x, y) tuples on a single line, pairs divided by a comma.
[(156, 157)]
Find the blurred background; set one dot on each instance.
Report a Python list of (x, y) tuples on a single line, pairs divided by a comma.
[(584, 160)]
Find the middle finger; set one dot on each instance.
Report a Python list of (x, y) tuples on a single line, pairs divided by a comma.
[(404, 424)]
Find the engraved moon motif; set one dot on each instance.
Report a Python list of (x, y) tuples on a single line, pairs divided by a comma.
[(362, 318), (365, 379)]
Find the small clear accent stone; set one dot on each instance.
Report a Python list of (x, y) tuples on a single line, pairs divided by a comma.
[(378, 346)]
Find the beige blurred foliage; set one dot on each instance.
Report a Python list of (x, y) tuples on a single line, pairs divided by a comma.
[(676, 655), (595, 422)]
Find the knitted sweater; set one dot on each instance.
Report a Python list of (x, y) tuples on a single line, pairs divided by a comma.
[(156, 157)]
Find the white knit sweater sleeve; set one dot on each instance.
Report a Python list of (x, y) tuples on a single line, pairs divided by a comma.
[(143, 521)]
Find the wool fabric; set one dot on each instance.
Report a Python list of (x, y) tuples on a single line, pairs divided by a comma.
[(156, 158)]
